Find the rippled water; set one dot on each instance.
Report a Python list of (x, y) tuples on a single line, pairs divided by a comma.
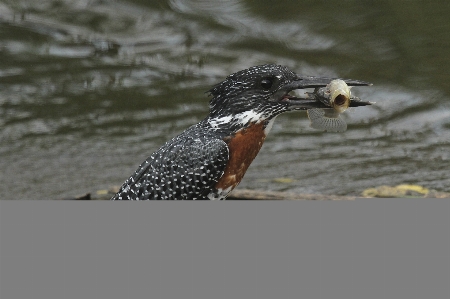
[(89, 89)]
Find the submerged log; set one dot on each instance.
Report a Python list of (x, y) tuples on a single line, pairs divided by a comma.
[(239, 194), (246, 194)]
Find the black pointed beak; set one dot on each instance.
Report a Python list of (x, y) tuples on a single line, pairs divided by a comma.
[(308, 82), (309, 101)]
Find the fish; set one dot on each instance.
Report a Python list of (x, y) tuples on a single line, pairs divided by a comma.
[(336, 98)]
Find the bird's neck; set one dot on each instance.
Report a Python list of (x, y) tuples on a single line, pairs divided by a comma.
[(235, 121), (239, 121)]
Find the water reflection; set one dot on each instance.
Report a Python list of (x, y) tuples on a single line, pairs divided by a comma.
[(89, 89)]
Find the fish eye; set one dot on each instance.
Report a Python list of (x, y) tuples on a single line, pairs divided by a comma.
[(266, 83)]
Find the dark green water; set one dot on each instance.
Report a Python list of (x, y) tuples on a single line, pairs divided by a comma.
[(89, 89)]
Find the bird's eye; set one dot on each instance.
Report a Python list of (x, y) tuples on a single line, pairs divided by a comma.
[(266, 83)]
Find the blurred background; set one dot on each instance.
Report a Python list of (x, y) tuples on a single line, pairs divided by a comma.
[(90, 88)]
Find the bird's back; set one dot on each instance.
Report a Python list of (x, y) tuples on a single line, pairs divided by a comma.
[(186, 167)]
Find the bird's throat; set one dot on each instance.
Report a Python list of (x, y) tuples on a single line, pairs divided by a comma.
[(243, 147)]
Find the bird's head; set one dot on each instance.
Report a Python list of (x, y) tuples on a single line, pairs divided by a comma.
[(262, 92)]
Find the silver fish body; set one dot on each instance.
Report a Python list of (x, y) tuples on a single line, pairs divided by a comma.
[(337, 96)]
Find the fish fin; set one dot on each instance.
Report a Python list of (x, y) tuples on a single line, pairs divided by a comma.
[(326, 120)]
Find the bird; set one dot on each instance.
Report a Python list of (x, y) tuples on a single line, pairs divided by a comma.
[(209, 159)]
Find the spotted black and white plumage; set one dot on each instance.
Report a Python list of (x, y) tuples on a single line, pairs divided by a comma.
[(186, 167), (192, 164)]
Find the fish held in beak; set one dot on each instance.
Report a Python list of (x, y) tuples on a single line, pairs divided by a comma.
[(337, 98)]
